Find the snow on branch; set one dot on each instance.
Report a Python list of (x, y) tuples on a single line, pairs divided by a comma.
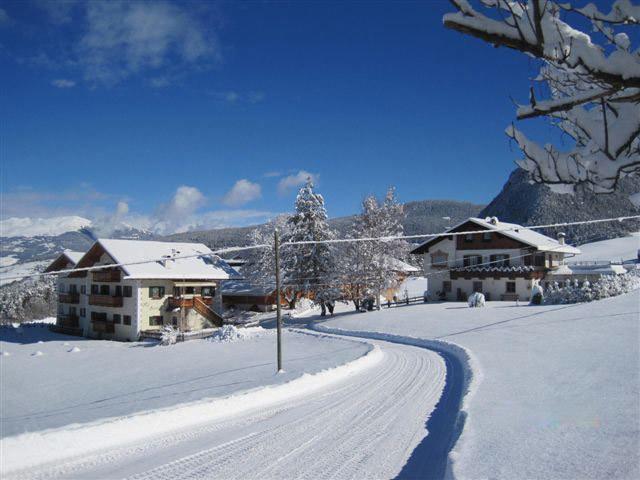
[(594, 87)]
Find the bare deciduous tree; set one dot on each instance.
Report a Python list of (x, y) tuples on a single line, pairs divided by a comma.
[(593, 82)]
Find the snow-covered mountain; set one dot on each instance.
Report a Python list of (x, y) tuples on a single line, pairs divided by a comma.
[(534, 204), (32, 227)]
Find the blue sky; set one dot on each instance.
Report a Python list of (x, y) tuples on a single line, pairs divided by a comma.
[(190, 114)]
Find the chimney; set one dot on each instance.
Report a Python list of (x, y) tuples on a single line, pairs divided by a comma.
[(493, 220), (561, 237)]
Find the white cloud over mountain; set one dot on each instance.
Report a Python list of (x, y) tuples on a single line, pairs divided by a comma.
[(242, 192)]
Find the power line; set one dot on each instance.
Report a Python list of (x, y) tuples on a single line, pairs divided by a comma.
[(310, 242)]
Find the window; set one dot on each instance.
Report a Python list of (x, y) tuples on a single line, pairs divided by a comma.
[(477, 287), (73, 288), (468, 238), (61, 288), (126, 291), (99, 316), (156, 292), (446, 286), (118, 291), (486, 237), (72, 311), (104, 289), (538, 260), (511, 287), (155, 320), (116, 318), (83, 312), (208, 291), (471, 260), (499, 260), (95, 289), (439, 260), (174, 321), (126, 319), (83, 289), (189, 290)]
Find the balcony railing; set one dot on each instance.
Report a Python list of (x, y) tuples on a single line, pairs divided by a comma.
[(69, 297), (68, 321), (187, 302), (105, 301), (106, 276), (103, 326)]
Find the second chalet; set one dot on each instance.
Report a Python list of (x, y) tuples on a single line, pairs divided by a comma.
[(504, 261)]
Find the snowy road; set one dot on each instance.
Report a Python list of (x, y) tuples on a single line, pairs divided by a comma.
[(365, 426)]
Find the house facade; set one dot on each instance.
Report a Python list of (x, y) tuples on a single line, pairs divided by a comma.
[(503, 260), (179, 288)]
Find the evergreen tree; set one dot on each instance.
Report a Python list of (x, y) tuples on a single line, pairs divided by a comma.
[(309, 269)]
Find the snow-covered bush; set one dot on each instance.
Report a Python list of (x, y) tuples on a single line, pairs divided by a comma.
[(169, 335), (606, 286), (229, 333), (537, 295), (476, 300)]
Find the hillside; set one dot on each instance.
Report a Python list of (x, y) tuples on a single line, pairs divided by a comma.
[(529, 204), (421, 216)]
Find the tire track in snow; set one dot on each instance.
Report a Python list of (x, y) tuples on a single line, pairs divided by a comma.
[(365, 426)]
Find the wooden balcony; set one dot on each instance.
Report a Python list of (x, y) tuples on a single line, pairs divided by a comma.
[(68, 321), (69, 297), (105, 301), (106, 276), (187, 302), (103, 326)]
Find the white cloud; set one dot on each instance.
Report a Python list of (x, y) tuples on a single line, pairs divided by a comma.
[(242, 192), (272, 174), (232, 96), (290, 182), (63, 83), (4, 17), (129, 38)]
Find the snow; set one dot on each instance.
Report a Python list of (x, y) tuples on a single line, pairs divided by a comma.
[(616, 249), (29, 449), (229, 333), (32, 227), (21, 270), (413, 286), (108, 379), (555, 390), (193, 268), (322, 425), (9, 260)]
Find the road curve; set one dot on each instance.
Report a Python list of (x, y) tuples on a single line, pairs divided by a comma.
[(364, 427)]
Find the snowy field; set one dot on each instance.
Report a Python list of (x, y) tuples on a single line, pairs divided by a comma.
[(51, 380), (21, 270), (616, 249), (555, 390)]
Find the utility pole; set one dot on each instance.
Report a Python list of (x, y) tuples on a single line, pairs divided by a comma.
[(278, 308)]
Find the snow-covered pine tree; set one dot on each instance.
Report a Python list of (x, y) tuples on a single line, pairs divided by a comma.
[(309, 269)]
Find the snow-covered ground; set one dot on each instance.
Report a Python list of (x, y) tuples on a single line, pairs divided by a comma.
[(359, 420), (21, 270), (616, 249), (555, 390), (51, 380)]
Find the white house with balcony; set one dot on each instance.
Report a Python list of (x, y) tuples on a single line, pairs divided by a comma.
[(503, 260), (129, 294)]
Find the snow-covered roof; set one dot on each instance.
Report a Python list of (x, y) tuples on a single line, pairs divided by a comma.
[(73, 256), (133, 252), (517, 232), (400, 266), (242, 288), (67, 259), (595, 269)]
